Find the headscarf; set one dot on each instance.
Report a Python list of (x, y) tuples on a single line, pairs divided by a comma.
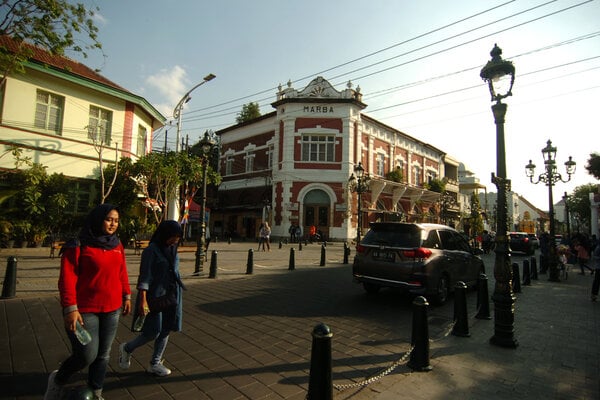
[(165, 231), (92, 233)]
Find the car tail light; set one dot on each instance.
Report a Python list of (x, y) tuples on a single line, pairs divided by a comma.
[(421, 252), (526, 240), (416, 283), (360, 248)]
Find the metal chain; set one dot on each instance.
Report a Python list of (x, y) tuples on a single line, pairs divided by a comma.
[(372, 379)]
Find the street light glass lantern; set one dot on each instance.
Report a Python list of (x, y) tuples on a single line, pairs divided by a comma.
[(207, 142), (360, 171), (530, 169), (570, 166), (549, 152), (499, 75)]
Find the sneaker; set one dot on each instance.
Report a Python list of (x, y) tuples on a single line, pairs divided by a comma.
[(98, 394), (124, 357), (159, 369), (54, 389)]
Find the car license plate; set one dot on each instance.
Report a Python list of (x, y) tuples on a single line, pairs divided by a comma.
[(383, 255)]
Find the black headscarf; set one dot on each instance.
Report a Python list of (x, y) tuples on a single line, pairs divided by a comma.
[(92, 234), (165, 231)]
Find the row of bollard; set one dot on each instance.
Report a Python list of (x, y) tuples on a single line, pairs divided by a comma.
[(320, 381)]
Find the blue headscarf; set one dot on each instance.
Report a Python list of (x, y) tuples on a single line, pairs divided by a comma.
[(92, 233), (165, 231)]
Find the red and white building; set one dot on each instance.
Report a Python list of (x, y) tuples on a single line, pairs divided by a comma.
[(293, 165)]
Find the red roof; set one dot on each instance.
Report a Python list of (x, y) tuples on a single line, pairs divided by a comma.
[(65, 64)]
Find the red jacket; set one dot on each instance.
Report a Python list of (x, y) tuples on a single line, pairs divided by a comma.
[(93, 279)]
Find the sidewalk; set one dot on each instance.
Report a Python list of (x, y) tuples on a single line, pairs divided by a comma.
[(249, 336)]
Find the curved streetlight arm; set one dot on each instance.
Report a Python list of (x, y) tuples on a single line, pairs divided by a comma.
[(186, 97)]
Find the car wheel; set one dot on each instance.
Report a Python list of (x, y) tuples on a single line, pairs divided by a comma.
[(371, 288), (442, 290)]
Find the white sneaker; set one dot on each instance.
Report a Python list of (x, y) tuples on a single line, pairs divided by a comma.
[(54, 389), (159, 369), (124, 357)]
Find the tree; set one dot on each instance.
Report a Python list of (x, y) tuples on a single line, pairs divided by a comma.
[(476, 218), (593, 165), (53, 25), (249, 112), (579, 203)]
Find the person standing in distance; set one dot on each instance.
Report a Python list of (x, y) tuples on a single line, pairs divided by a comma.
[(159, 275), (94, 291)]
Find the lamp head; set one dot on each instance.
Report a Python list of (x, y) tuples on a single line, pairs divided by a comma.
[(570, 166), (359, 170), (499, 75), (209, 77), (207, 142), (530, 169), (549, 153)]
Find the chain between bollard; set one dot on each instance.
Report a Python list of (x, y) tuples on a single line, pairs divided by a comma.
[(375, 378)]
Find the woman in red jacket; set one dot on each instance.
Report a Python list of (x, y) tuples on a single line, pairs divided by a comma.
[(94, 291)]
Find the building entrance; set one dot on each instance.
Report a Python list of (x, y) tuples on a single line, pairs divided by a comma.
[(316, 213)]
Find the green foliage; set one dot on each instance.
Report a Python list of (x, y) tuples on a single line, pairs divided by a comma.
[(476, 218), (395, 175), (593, 165), (436, 185), (579, 202), (249, 112), (53, 25)]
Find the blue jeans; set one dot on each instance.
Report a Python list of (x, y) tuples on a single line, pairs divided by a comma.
[(103, 328), (157, 327)]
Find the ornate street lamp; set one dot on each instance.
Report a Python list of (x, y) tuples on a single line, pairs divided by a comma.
[(174, 203), (550, 177), (359, 184), (207, 143), (500, 77)]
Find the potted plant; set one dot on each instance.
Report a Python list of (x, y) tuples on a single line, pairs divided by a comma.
[(21, 231)]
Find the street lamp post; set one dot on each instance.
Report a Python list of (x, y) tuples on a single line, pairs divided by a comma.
[(207, 143), (499, 74), (174, 203), (550, 177), (359, 184), (567, 216)]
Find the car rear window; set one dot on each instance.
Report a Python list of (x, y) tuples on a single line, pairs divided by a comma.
[(393, 235)]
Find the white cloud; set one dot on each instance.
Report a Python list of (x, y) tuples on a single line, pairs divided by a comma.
[(171, 85)]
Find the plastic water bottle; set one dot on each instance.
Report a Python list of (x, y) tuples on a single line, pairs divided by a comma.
[(82, 334), (139, 323)]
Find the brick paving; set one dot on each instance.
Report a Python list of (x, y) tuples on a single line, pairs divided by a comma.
[(248, 336)]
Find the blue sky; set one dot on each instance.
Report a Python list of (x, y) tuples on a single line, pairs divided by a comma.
[(417, 64)]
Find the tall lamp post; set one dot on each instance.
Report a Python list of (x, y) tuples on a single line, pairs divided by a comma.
[(550, 177), (359, 184), (499, 74), (207, 143), (174, 203), (567, 216)]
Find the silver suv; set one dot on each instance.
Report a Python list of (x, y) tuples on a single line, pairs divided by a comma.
[(424, 259)]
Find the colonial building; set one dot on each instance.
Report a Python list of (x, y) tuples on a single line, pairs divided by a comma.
[(295, 166), (65, 116)]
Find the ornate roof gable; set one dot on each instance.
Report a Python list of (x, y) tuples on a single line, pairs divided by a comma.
[(319, 87)]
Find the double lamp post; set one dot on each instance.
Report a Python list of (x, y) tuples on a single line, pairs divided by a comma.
[(359, 183), (550, 177)]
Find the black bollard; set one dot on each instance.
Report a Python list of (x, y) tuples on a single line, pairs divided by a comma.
[(461, 318), (516, 281), (526, 273), (299, 246), (483, 298), (322, 262), (229, 240), (212, 272), (280, 244), (419, 357), (320, 384), (534, 271), (543, 264), (292, 265), (346, 252), (9, 287), (250, 263)]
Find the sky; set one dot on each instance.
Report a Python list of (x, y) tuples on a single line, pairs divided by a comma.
[(417, 64)]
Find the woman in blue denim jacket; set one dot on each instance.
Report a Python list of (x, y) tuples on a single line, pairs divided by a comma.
[(159, 273)]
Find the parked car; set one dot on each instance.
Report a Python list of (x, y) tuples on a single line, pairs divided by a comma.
[(423, 259), (519, 242), (535, 241)]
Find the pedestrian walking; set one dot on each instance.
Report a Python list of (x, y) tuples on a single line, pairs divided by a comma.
[(292, 232), (298, 233), (94, 290), (265, 237), (583, 256), (159, 297)]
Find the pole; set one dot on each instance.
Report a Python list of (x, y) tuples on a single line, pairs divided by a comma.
[(201, 243), (567, 216), (503, 297), (359, 228), (553, 261)]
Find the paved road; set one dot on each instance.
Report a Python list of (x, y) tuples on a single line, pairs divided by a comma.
[(249, 336)]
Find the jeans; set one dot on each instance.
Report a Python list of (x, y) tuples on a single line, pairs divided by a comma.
[(160, 344), (103, 328)]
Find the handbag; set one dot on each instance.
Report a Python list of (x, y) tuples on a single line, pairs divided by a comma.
[(164, 302)]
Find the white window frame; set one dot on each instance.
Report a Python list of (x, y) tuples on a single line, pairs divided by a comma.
[(49, 110), (100, 125), (318, 147)]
